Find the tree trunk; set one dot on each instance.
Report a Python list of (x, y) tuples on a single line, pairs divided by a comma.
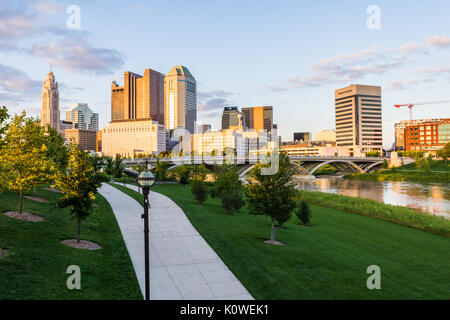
[(272, 233), (79, 229), (20, 201)]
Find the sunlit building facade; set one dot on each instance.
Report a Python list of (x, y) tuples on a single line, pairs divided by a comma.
[(427, 136), (82, 117), (359, 118), (140, 97), (129, 137), (50, 103), (180, 99)]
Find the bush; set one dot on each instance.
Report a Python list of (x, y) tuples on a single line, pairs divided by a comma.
[(232, 201), (184, 173), (199, 190), (303, 212)]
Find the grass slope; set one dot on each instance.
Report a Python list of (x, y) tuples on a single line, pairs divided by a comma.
[(439, 172), (325, 261), (36, 265)]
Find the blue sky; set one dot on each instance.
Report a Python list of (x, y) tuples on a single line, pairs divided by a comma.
[(288, 54)]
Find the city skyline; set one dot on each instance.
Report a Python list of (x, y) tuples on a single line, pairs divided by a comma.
[(407, 60)]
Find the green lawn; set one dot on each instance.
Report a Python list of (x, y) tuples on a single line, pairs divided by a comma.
[(327, 260), (36, 265)]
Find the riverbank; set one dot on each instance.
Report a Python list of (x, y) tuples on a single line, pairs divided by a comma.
[(439, 172), (396, 214), (36, 263), (327, 260)]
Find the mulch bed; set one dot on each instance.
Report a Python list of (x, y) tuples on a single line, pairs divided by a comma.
[(83, 244), (276, 243), (53, 189), (25, 216), (3, 252), (36, 199)]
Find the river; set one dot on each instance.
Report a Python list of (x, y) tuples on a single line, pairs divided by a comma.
[(433, 198)]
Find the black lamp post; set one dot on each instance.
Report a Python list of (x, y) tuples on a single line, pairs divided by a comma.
[(145, 180)]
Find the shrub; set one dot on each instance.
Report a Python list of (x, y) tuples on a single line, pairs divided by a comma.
[(199, 190), (232, 201), (303, 212)]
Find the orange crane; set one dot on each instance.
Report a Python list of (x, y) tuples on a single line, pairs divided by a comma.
[(411, 105)]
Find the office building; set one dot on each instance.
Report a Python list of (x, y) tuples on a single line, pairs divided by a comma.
[(308, 149), (202, 128), (180, 99), (358, 118), (427, 136), (129, 137), (82, 117), (219, 142), (399, 130), (231, 117), (85, 139), (98, 141), (258, 118), (140, 97), (302, 136), (326, 136), (50, 103)]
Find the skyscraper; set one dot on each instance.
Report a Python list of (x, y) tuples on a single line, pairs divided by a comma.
[(82, 117), (180, 99), (231, 117), (258, 118), (141, 97), (50, 102), (358, 118)]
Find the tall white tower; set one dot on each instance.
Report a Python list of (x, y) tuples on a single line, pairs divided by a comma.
[(50, 102), (180, 99)]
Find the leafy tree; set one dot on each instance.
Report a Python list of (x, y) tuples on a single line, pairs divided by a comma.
[(424, 165), (232, 201), (372, 154), (97, 162), (184, 173), (161, 170), (3, 123), (78, 183), (272, 195), (118, 167), (199, 190), (23, 160), (199, 172), (109, 163), (385, 164), (303, 212), (57, 150), (228, 188), (444, 153)]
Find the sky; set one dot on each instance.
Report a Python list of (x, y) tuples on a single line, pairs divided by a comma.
[(291, 55)]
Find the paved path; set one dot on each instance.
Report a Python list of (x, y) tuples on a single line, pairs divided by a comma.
[(182, 264)]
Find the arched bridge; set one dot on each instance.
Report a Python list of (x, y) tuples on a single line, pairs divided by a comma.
[(306, 165)]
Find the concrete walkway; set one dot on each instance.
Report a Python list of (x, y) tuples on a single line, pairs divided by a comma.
[(182, 264)]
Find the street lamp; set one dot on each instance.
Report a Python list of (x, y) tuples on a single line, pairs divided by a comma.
[(145, 180)]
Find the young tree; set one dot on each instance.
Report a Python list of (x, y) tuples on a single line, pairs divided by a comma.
[(3, 122), (118, 167), (97, 162), (161, 170), (228, 188), (272, 195), (444, 153), (23, 158), (78, 183), (57, 150), (385, 164), (303, 212), (199, 190), (184, 173), (109, 163)]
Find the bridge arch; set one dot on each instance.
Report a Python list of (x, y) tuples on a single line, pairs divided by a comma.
[(350, 163), (373, 165)]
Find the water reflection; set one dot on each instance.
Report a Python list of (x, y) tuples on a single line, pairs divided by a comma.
[(431, 198)]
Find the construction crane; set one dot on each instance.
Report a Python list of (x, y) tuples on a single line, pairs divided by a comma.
[(411, 105)]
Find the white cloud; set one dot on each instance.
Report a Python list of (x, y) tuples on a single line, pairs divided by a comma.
[(438, 41)]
